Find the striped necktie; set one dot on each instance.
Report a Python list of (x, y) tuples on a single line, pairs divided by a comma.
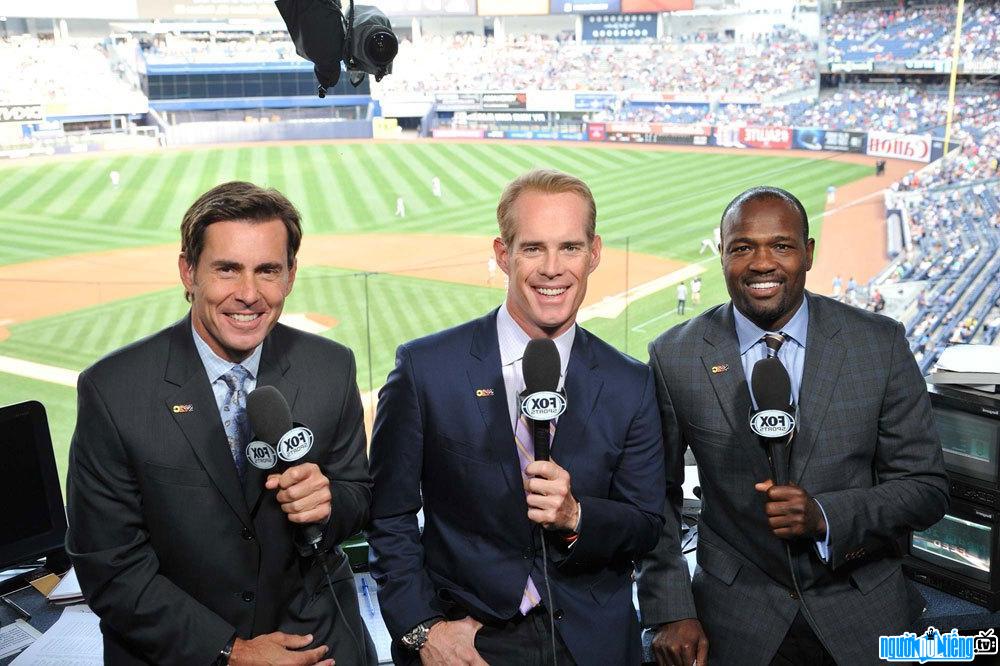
[(773, 342), (526, 455), (234, 416)]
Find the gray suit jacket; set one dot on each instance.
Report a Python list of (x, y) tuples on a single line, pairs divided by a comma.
[(866, 449), (171, 553)]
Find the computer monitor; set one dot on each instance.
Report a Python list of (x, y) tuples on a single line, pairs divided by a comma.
[(968, 423), (32, 514)]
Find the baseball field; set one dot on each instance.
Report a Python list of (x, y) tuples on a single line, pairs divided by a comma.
[(87, 266)]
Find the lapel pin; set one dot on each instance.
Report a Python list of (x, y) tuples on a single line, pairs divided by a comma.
[(182, 409), (484, 393), (716, 369)]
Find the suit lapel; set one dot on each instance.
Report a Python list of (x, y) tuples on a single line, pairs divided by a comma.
[(274, 364), (484, 372), (202, 426), (583, 386), (825, 353), (730, 385)]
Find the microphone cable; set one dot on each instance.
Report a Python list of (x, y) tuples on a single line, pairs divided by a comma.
[(362, 654)]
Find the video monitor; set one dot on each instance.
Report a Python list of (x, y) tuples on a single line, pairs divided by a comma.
[(969, 442), (959, 545), (33, 518)]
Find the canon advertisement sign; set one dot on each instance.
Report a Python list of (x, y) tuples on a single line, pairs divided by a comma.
[(15, 113), (900, 146)]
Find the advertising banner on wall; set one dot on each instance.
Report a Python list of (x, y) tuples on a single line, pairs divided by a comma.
[(21, 113), (456, 133), (594, 101), (916, 148), (426, 7), (769, 138), (457, 101), (167, 9), (512, 7), (570, 7), (631, 6), (816, 138), (597, 132), (504, 100)]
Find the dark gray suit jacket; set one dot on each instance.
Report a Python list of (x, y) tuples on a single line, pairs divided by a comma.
[(171, 552), (866, 450)]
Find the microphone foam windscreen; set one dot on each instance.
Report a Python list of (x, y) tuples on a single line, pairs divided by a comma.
[(771, 385), (269, 415), (540, 365)]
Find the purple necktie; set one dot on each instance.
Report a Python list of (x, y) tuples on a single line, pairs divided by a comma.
[(526, 455)]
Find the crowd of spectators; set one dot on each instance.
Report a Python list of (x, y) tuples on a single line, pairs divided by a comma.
[(224, 48), (917, 32), (771, 65), (71, 77)]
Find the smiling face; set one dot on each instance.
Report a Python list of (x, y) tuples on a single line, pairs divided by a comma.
[(239, 285), (765, 259), (548, 261)]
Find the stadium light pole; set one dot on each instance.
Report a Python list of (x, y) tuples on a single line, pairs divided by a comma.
[(955, 51)]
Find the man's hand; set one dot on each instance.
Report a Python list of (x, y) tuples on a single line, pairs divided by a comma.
[(303, 493), (681, 643), (278, 649), (550, 502), (791, 512), (452, 644)]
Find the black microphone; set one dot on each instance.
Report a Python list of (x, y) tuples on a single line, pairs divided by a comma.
[(773, 421), (540, 402), (279, 442)]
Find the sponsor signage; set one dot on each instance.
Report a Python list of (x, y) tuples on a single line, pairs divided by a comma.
[(504, 100), (261, 455), (493, 117), (597, 132), (631, 6), (569, 7), (295, 443), (166, 9), (815, 138), (665, 129), (20, 113), (619, 27), (457, 101), (512, 7), (766, 137), (772, 423), (916, 148), (454, 133), (594, 101), (859, 66), (427, 7)]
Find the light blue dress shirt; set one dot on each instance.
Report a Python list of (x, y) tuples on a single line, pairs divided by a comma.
[(216, 366)]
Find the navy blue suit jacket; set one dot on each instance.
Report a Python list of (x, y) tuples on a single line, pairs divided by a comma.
[(443, 441)]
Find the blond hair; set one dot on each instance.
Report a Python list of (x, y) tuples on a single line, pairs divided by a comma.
[(545, 181)]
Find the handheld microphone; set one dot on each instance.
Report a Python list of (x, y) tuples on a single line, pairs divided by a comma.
[(773, 421), (279, 442), (540, 402)]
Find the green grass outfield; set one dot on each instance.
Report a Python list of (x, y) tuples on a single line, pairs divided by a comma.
[(656, 202)]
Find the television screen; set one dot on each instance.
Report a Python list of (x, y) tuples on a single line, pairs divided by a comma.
[(956, 544), (969, 443)]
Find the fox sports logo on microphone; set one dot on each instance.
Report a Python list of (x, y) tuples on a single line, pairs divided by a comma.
[(543, 405), (295, 443), (772, 423)]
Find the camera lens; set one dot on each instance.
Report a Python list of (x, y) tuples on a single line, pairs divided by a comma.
[(381, 47)]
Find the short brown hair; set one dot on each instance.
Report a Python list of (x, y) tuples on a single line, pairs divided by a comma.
[(546, 181), (237, 201)]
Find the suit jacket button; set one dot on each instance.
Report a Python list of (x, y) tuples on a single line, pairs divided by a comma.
[(793, 594), (247, 534), (526, 554), (558, 613), (248, 597)]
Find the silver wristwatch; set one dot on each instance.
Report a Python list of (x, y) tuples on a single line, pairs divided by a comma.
[(415, 638)]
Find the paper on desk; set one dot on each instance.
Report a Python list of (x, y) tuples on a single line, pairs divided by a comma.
[(74, 640), (16, 636), (68, 588), (970, 358)]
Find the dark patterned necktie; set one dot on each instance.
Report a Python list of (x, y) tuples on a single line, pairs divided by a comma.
[(773, 342), (234, 417)]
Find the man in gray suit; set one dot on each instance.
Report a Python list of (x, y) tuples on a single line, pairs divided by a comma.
[(864, 465), (186, 551)]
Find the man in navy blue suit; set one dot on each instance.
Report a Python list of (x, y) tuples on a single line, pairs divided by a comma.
[(472, 588)]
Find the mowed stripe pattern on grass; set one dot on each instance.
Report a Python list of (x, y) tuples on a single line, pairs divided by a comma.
[(657, 202)]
